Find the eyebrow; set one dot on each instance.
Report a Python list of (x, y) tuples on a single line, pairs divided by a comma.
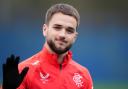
[(57, 25), (66, 28), (71, 28)]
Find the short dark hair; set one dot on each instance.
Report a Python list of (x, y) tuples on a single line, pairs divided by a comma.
[(63, 8)]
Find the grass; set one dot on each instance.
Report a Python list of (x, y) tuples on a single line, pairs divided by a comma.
[(110, 85)]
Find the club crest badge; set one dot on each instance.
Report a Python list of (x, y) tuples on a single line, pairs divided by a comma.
[(77, 78)]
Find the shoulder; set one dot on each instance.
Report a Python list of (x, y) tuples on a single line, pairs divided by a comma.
[(78, 66), (84, 72), (81, 69), (29, 62)]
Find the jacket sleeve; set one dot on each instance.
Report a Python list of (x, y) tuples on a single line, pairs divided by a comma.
[(88, 79), (90, 84)]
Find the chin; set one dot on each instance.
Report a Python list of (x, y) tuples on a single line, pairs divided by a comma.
[(60, 48)]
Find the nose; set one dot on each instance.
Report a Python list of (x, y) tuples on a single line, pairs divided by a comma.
[(62, 33)]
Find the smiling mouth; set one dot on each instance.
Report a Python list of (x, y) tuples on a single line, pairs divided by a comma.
[(61, 42)]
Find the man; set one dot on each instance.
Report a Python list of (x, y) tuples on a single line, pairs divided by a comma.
[(52, 67)]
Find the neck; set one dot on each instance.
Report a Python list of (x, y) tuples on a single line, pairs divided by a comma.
[(60, 56)]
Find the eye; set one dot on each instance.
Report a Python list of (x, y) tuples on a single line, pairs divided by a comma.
[(70, 31), (57, 28)]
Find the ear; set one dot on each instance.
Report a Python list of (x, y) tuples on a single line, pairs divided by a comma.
[(75, 37), (44, 29)]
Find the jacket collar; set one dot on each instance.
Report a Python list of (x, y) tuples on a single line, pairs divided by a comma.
[(52, 57)]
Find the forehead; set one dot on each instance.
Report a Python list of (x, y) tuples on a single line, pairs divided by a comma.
[(64, 20)]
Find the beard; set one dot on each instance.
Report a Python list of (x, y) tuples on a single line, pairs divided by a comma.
[(56, 49)]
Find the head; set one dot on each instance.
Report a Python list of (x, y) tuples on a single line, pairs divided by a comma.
[(60, 26), (66, 9)]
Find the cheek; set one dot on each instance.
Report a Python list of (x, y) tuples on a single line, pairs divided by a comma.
[(51, 36), (71, 39)]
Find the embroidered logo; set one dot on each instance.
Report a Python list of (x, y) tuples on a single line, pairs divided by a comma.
[(36, 62), (44, 77), (77, 79)]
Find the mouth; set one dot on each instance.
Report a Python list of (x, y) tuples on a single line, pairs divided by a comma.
[(61, 42)]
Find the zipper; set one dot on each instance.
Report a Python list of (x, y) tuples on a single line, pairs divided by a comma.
[(60, 67)]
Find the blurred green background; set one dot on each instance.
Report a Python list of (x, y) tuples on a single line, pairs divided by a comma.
[(102, 44)]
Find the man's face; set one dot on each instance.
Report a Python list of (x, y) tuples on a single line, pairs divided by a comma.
[(60, 33)]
